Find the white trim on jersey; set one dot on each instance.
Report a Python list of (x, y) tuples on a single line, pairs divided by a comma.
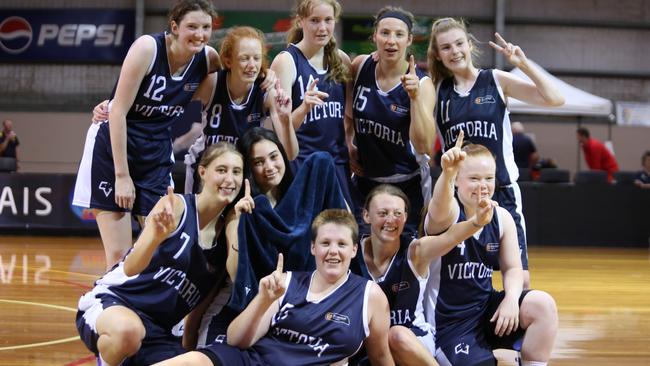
[(216, 306), (190, 158), (83, 183), (420, 320), (506, 143), (431, 293), (366, 315)]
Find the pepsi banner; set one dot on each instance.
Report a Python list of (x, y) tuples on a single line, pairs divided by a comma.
[(70, 35)]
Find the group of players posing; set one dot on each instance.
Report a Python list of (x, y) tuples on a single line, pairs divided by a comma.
[(392, 294)]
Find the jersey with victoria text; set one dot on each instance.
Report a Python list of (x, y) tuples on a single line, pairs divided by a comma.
[(178, 277), (404, 289), (162, 97), (382, 121), (319, 332), (322, 129), (482, 114), (463, 279)]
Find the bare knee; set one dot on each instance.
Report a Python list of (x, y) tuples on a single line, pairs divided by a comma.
[(538, 306), (126, 337), (399, 338)]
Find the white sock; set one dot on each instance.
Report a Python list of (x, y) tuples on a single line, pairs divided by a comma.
[(533, 363)]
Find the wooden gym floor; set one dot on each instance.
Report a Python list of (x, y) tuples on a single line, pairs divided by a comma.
[(603, 297)]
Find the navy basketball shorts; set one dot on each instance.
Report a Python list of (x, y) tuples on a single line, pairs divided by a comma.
[(150, 165), (474, 344), (158, 345), (226, 355), (509, 197)]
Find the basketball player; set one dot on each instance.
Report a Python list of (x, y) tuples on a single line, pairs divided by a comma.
[(129, 314), (474, 101), (470, 317), (317, 72), (127, 160), (391, 112), (308, 318), (234, 100)]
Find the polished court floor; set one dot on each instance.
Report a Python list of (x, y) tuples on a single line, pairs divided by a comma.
[(603, 297)]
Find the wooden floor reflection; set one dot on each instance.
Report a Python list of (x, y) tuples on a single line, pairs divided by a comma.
[(603, 296)]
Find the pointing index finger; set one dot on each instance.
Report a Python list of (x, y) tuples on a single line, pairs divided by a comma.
[(459, 139), (312, 86), (280, 265), (247, 188), (412, 65)]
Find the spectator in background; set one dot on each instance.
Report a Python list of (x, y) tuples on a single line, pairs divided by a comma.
[(597, 155), (8, 141), (523, 147), (643, 178)]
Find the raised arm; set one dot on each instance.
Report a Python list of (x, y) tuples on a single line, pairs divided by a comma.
[(132, 73), (278, 102), (379, 324), (443, 208), (541, 91), (422, 93), (427, 248), (254, 322), (161, 221), (245, 204)]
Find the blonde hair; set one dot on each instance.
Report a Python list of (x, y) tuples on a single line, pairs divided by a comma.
[(232, 39), (437, 69), (335, 216), (474, 150), (337, 71), (214, 151)]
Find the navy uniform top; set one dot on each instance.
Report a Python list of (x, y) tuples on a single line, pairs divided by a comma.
[(162, 97), (322, 129), (404, 289), (227, 120), (464, 279), (178, 277), (320, 332), (381, 124), (482, 114)]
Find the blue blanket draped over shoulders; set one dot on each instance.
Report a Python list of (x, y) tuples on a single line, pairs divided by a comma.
[(284, 229)]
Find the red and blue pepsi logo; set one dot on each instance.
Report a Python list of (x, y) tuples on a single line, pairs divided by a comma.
[(15, 35)]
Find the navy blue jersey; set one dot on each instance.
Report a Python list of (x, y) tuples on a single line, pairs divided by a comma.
[(162, 97), (178, 277), (227, 120), (404, 289), (463, 280), (322, 129), (483, 115), (304, 332), (381, 124)]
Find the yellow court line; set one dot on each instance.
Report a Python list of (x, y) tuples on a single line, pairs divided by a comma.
[(48, 343), (64, 272), (32, 345), (66, 308)]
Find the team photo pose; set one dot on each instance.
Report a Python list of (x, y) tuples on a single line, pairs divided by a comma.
[(127, 160), (472, 318), (308, 318), (129, 314), (317, 73), (390, 122), (475, 101), (234, 99)]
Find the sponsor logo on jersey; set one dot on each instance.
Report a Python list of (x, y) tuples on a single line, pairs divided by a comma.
[(462, 348), (105, 187), (492, 247), (190, 87), (253, 117), (399, 109), (15, 35), (337, 318), (488, 99), (400, 286)]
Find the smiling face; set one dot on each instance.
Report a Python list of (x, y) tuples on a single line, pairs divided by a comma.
[(267, 165), (476, 176), (392, 39), (318, 26), (454, 50), (193, 31), (223, 176), (246, 61), (386, 214), (333, 250)]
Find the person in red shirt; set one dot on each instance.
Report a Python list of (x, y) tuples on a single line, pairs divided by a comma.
[(597, 155)]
